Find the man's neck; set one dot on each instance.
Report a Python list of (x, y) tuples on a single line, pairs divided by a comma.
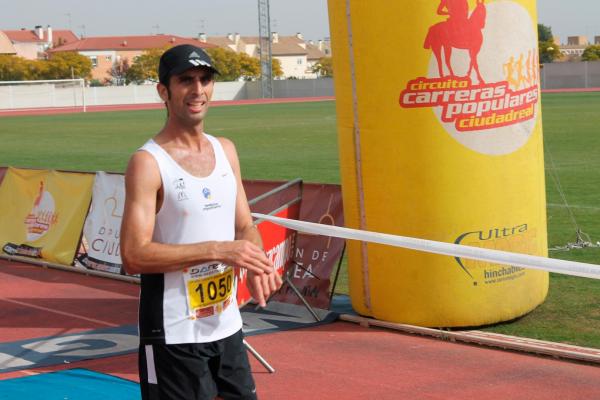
[(190, 136)]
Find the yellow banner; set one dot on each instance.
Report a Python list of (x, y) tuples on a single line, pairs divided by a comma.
[(44, 210)]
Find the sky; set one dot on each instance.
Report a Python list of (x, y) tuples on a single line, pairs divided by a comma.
[(177, 17), (220, 17), (570, 17)]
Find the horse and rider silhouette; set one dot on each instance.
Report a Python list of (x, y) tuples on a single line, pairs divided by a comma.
[(459, 31)]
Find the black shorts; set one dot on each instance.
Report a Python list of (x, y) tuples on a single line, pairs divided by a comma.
[(198, 371)]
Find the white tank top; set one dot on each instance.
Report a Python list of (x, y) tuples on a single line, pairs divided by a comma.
[(198, 304)]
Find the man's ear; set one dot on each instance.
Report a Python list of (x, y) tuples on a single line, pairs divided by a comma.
[(163, 92)]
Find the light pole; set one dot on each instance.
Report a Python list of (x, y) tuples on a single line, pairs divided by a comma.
[(69, 19)]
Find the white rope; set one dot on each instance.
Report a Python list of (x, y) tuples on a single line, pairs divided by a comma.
[(449, 249)]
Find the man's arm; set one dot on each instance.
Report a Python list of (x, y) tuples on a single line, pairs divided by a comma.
[(141, 255), (260, 285)]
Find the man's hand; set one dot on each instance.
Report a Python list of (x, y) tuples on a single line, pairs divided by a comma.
[(245, 254), (262, 278), (261, 286)]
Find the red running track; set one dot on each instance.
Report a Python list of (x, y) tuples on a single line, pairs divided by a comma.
[(217, 103), (152, 106), (572, 90), (338, 361)]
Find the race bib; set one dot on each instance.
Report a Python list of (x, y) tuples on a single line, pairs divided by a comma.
[(209, 289)]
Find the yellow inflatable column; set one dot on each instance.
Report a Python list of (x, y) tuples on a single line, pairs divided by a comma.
[(440, 137)]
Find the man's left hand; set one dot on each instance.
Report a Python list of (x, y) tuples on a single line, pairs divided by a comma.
[(261, 286)]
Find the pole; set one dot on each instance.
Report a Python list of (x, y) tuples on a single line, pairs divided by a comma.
[(259, 357), (83, 95)]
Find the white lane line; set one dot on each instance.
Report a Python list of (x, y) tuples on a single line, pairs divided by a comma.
[(573, 206)]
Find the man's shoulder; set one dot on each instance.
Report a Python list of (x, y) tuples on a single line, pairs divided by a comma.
[(142, 162), (142, 172), (228, 147), (230, 151), (225, 142), (143, 156)]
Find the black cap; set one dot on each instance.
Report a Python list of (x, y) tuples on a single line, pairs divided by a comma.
[(181, 58)]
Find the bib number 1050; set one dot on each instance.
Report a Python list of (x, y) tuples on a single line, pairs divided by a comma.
[(211, 290)]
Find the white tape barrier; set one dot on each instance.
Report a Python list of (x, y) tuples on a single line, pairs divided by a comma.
[(448, 249)]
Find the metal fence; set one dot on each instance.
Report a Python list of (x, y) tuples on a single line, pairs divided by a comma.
[(294, 88), (571, 75)]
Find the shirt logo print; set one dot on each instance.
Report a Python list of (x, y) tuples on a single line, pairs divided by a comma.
[(179, 186)]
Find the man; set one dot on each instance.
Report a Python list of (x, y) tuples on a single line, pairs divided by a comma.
[(186, 228), (457, 10)]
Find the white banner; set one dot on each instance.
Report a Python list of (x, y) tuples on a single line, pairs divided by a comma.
[(449, 249), (103, 224)]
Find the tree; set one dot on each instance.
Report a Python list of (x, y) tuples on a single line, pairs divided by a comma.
[(38, 69), (324, 67), (10, 68), (548, 50), (591, 53), (66, 65), (250, 67), (118, 72), (227, 62), (276, 67), (544, 33), (232, 66), (61, 66), (145, 67), (14, 68)]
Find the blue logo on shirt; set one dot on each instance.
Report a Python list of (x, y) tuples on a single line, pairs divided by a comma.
[(206, 193)]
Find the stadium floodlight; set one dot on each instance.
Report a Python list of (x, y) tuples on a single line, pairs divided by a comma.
[(42, 94), (264, 49)]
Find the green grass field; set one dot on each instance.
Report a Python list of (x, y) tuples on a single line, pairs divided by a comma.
[(286, 141), (275, 141)]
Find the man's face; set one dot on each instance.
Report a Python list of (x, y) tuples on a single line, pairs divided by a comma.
[(188, 95)]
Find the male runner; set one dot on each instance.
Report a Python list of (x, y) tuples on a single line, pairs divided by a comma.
[(186, 228)]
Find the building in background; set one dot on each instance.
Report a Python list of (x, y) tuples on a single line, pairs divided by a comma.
[(231, 41), (315, 52), (106, 52), (6, 46), (575, 47), (33, 44), (297, 57)]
